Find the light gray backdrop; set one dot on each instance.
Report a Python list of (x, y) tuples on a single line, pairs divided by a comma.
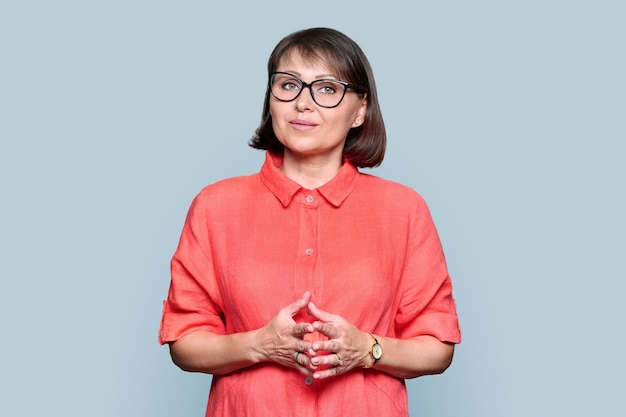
[(507, 116)]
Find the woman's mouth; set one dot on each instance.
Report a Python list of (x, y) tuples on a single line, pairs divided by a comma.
[(301, 124)]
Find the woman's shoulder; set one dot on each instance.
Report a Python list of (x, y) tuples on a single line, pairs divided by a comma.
[(230, 184), (391, 189), (228, 188)]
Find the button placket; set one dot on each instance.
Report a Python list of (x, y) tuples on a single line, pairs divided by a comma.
[(311, 205), (308, 239)]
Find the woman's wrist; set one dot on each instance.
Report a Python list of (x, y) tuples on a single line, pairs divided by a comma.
[(255, 346), (368, 360)]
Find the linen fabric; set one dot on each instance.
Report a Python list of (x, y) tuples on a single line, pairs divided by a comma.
[(365, 247)]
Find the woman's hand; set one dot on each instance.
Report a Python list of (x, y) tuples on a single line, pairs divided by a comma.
[(282, 339), (346, 348)]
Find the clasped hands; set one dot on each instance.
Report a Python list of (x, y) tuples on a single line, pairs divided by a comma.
[(282, 341)]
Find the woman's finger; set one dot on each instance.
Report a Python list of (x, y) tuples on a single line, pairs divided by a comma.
[(327, 373), (300, 329), (321, 314), (299, 304), (326, 329)]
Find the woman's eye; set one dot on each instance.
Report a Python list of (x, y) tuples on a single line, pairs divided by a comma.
[(327, 89), (289, 85)]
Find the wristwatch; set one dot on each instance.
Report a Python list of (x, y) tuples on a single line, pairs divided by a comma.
[(376, 352)]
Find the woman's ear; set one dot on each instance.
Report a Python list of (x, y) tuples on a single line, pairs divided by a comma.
[(360, 115)]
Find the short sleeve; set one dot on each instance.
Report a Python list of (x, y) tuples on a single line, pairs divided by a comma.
[(427, 306), (193, 302)]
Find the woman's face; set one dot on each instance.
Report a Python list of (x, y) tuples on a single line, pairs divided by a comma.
[(310, 132)]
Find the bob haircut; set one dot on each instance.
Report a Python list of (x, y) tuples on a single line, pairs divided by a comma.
[(365, 145)]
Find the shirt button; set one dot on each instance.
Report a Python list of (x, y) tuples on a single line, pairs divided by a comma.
[(309, 252), (310, 198), (308, 380)]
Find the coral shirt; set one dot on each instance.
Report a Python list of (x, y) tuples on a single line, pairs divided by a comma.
[(365, 247)]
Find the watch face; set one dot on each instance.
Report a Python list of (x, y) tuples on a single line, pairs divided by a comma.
[(377, 351)]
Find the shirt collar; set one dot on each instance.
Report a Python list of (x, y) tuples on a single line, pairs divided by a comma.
[(335, 190)]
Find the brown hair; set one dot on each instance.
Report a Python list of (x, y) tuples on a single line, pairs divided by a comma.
[(365, 144)]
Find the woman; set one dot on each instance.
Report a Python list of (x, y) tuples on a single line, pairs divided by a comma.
[(311, 289)]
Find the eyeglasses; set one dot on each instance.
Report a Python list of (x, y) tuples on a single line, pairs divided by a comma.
[(326, 93)]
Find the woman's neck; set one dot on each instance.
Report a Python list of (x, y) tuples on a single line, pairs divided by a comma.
[(310, 173)]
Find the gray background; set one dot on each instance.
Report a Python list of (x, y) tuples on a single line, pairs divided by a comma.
[(507, 116)]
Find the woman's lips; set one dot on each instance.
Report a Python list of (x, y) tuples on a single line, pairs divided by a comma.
[(302, 124)]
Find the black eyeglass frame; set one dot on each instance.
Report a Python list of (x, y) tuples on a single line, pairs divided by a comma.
[(345, 85)]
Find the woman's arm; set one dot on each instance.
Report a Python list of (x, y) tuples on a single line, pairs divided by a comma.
[(278, 342), (214, 354), (410, 358), (350, 348)]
